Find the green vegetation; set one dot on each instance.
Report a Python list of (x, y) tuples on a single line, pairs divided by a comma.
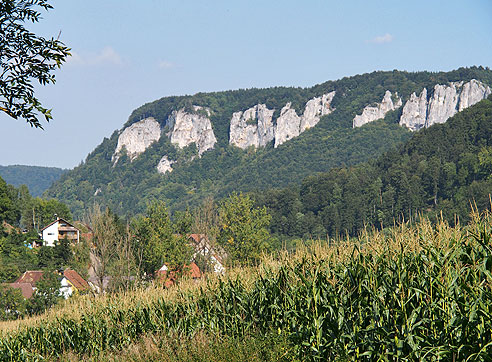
[(26, 58), (18, 209), (439, 171), (244, 229), (157, 242), (407, 293), (129, 187), (37, 179)]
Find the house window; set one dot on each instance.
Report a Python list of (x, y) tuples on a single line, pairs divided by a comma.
[(51, 233)]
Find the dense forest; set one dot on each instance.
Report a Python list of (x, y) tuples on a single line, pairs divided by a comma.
[(441, 171), (37, 179), (130, 186)]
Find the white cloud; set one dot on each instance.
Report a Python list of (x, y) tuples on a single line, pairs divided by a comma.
[(165, 64), (105, 56), (386, 38)]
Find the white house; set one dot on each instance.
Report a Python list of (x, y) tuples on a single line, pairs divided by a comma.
[(71, 283), (58, 230)]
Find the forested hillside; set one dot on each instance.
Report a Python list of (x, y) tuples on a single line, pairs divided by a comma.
[(442, 170), (130, 184), (37, 179)]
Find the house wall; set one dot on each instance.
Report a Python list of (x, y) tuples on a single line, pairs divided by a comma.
[(66, 289), (50, 235)]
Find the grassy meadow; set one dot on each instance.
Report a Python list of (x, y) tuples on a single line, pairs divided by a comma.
[(420, 292)]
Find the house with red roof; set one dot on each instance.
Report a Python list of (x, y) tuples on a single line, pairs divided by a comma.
[(168, 277), (70, 283)]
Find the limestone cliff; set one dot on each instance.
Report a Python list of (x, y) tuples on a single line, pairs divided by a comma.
[(372, 113), (415, 111), (473, 92), (164, 165), (253, 127), (137, 138), (444, 103), (315, 108), (290, 125), (186, 128)]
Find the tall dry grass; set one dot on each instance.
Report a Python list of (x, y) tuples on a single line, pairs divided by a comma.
[(412, 291)]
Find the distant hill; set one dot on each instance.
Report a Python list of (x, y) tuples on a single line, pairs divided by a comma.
[(440, 172), (38, 179), (183, 149)]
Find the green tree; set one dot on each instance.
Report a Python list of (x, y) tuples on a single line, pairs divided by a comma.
[(47, 293), (107, 233), (24, 58), (12, 303), (8, 209), (157, 243), (244, 233)]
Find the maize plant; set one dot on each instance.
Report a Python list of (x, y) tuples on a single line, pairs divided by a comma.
[(431, 301)]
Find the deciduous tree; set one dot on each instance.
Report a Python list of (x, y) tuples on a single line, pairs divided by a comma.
[(26, 58)]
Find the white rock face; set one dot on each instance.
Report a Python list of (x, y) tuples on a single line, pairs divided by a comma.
[(370, 114), (137, 138), (315, 109), (187, 128), (473, 92), (164, 165), (288, 125), (446, 101), (415, 111), (253, 127), (443, 104)]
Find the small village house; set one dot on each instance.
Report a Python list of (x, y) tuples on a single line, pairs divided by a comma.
[(70, 283), (168, 278), (58, 230)]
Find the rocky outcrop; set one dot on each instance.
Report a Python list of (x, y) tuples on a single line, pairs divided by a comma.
[(164, 165), (445, 102), (186, 128), (253, 127), (473, 92), (372, 113), (315, 109), (415, 111), (290, 125), (136, 138)]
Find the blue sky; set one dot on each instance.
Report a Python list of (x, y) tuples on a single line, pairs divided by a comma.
[(127, 53)]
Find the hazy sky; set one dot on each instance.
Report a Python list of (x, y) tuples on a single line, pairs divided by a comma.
[(127, 53)]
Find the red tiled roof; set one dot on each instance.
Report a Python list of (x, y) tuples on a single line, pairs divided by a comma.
[(26, 289), (194, 271), (31, 277), (8, 228), (197, 237), (76, 280), (169, 277)]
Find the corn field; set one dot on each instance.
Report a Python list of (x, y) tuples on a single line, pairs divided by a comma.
[(415, 293)]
